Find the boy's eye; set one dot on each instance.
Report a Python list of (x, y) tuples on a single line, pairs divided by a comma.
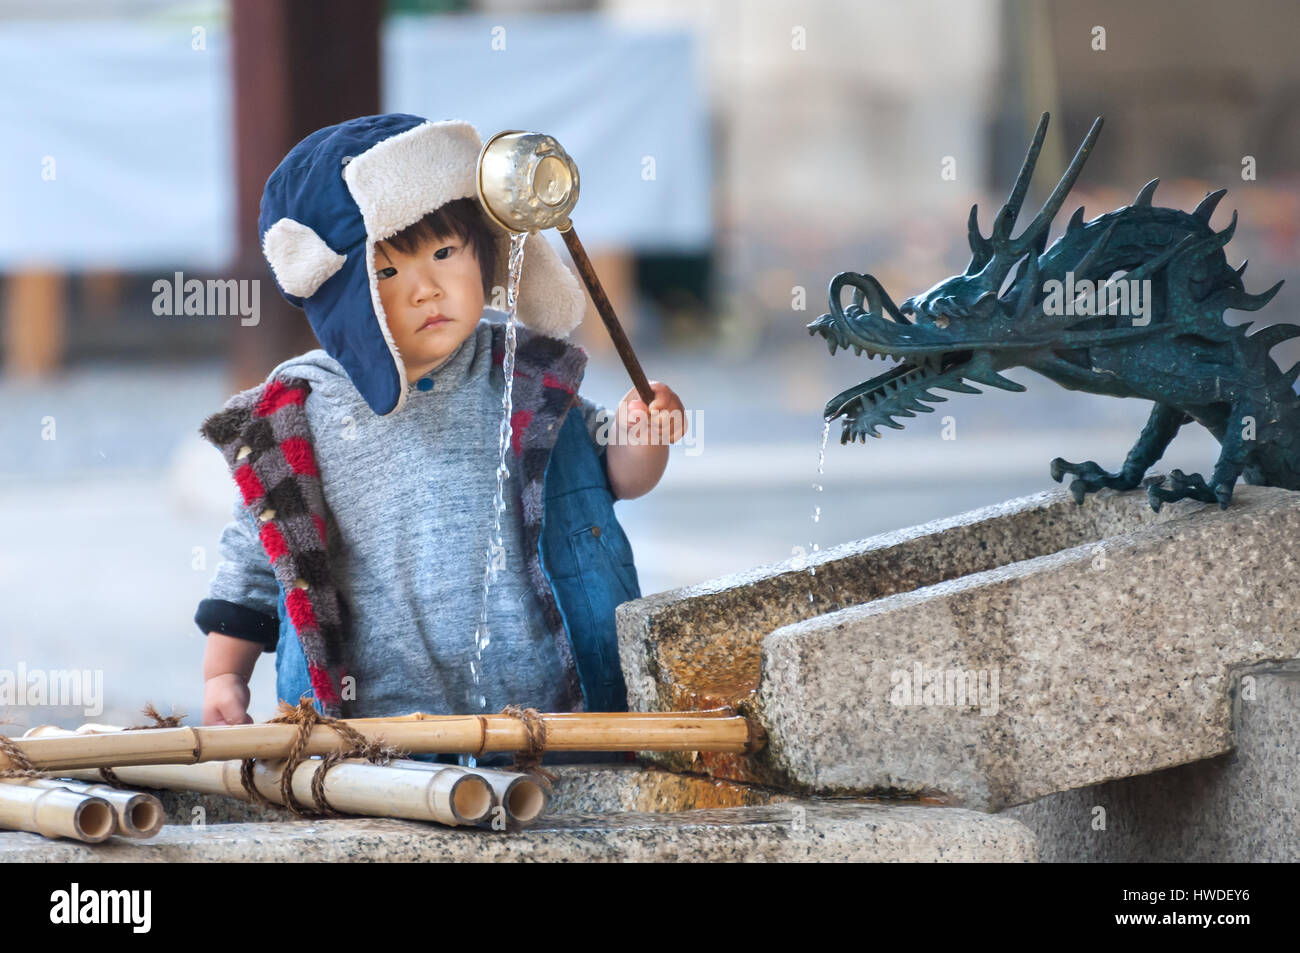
[(446, 248), (385, 273)]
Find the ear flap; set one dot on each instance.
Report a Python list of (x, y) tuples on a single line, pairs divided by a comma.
[(551, 299), (299, 258)]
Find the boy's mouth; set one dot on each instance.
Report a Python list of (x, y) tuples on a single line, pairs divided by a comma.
[(434, 319)]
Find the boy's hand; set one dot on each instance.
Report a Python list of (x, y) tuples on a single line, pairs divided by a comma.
[(225, 700), (660, 424), (638, 450)]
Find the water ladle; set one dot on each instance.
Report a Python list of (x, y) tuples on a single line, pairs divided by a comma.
[(526, 183)]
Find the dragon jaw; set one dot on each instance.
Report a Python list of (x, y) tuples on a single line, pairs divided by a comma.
[(904, 389), (962, 329), (942, 342)]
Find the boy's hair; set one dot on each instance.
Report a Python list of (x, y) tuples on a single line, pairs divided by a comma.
[(459, 218)]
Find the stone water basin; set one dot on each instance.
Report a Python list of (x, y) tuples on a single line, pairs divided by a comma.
[(615, 812), (1109, 640)]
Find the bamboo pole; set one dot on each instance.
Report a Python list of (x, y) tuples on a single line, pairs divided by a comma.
[(418, 733), (452, 796), (522, 798), (135, 814), (55, 812)]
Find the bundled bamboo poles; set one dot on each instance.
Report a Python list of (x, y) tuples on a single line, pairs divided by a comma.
[(54, 812), (719, 731), (135, 814), (448, 794), (412, 790), (521, 798)]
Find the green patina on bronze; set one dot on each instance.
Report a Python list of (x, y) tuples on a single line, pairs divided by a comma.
[(1177, 352)]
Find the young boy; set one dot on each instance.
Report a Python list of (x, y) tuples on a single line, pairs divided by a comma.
[(366, 469)]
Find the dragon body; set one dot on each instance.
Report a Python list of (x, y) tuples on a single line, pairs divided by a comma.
[(1163, 340)]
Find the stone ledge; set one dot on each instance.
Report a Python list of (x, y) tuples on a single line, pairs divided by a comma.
[(701, 646), (1115, 632), (1113, 659), (1240, 807), (804, 830)]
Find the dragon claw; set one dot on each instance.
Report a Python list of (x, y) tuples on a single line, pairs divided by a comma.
[(1223, 493), (1183, 486), (1090, 478)]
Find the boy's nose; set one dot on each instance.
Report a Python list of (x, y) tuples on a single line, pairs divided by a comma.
[(426, 288)]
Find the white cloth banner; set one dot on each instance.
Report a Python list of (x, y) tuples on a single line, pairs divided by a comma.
[(115, 135)]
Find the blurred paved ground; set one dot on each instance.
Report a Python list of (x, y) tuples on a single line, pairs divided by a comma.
[(108, 533)]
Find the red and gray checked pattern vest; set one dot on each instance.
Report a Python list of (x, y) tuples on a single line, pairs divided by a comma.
[(264, 436)]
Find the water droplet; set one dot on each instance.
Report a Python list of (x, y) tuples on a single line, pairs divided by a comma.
[(817, 510)]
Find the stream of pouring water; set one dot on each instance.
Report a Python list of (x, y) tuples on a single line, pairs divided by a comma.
[(495, 549), (817, 510)]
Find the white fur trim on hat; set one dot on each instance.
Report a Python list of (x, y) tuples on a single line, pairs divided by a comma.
[(373, 279), (550, 298), (398, 181), (299, 258)]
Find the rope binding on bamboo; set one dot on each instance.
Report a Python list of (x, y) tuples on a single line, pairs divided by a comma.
[(26, 770), (306, 717), (530, 759)]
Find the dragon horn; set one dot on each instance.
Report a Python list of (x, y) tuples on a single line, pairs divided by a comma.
[(1043, 220), (981, 249), (1007, 215)]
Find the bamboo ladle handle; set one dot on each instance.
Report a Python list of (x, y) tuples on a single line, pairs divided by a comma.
[(616, 334)]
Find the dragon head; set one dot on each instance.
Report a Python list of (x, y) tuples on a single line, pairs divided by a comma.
[(965, 328)]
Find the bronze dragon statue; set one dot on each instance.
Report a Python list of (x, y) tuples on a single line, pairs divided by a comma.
[(1129, 304)]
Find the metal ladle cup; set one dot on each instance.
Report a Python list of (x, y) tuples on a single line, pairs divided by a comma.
[(527, 182)]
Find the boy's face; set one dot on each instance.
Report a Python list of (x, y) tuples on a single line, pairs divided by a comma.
[(433, 299)]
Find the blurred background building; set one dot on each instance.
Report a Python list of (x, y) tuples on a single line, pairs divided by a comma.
[(735, 155)]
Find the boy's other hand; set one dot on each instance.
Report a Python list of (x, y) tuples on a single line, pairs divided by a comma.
[(661, 423), (225, 700)]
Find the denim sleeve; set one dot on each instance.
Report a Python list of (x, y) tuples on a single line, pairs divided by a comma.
[(595, 417), (244, 596)]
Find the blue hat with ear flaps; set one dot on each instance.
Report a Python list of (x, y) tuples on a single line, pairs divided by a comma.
[(347, 186)]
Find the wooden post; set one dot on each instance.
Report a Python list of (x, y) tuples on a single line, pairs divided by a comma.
[(35, 315), (298, 65)]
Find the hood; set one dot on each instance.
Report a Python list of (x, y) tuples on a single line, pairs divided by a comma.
[(347, 186)]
